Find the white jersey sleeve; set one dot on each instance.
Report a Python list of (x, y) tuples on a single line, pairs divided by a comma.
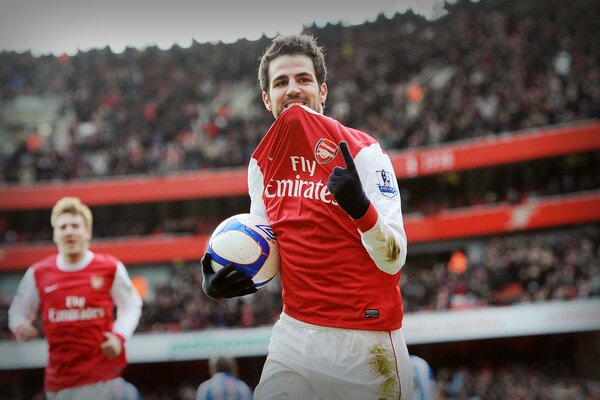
[(26, 302), (386, 241), (128, 302), (255, 189)]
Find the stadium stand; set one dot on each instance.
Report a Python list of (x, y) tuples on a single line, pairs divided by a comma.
[(105, 114)]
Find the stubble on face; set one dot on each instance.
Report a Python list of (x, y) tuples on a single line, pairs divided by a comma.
[(293, 82)]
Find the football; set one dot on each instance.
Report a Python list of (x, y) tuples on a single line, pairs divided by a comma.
[(247, 241)]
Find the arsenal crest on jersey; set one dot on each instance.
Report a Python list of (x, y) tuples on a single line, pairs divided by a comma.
[(97, 282), (325, 151)]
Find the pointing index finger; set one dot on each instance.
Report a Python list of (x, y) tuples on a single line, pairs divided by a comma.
[(346, 154)]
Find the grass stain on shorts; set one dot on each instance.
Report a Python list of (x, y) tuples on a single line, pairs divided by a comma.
[(383, 363)]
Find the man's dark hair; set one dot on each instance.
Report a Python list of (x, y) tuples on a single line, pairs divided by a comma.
[(291, 45)]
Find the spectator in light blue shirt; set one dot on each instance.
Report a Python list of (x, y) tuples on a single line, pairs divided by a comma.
[(224, 383), (424, 384)]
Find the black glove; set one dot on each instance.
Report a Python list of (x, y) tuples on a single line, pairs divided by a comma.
[(344, 184), (228, 282)]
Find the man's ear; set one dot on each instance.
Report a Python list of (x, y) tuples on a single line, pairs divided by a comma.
[(323, 93), (267, 101)]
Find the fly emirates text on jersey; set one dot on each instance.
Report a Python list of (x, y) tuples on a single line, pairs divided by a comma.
[(298, 187)]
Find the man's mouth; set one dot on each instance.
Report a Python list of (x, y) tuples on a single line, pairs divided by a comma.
[(293, 103)]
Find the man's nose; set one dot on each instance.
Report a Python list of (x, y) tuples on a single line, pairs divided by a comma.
[(293, 88)]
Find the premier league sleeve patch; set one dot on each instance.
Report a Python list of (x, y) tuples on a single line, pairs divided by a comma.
[(386, 184)]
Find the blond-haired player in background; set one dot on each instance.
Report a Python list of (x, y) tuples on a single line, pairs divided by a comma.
[(76, 291)]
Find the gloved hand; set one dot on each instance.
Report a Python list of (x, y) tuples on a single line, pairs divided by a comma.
[(344, 184), (228, 282)]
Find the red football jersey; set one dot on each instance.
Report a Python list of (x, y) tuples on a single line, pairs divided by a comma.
[(333, 269), (77, 309)]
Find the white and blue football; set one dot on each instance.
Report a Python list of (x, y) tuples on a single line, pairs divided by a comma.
[(249, 243)]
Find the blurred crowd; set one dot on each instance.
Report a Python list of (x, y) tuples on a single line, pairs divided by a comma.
[(559, 264), (526, 267), (513, 184), (179, 304), (513, 381), (408, 81), (492, 382), (503, 270), (500, 381)]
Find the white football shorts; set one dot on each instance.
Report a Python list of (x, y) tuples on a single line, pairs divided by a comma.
[(115, 389), (309, 362)]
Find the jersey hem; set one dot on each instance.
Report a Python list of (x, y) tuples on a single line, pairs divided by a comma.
[(317, 324)]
